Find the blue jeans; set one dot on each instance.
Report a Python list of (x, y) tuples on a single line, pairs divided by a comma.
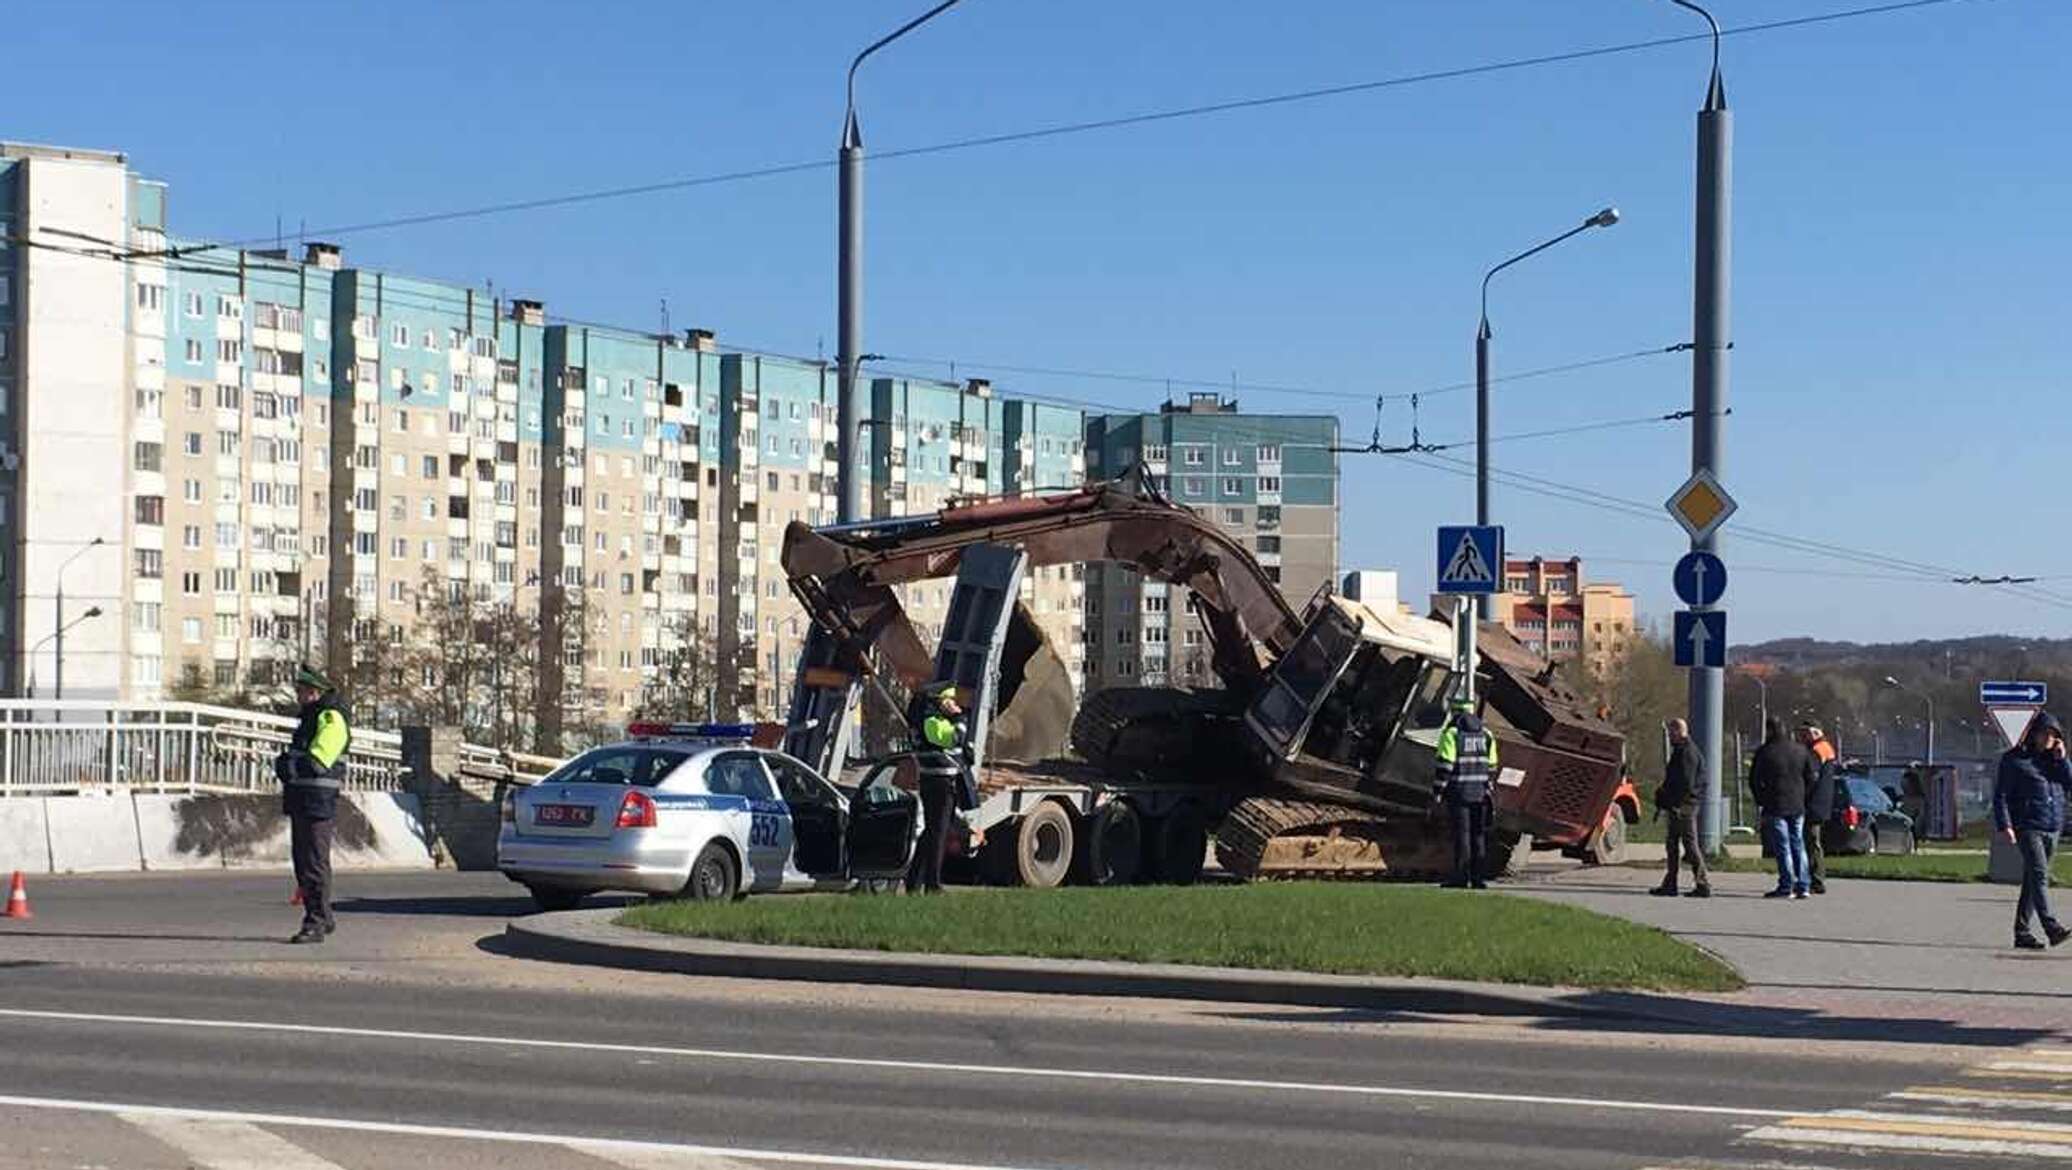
[(1788, 842)]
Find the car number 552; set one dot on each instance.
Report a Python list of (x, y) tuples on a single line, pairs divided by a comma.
[(762, 830)]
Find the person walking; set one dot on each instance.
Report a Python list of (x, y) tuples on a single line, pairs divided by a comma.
[(1820, 804), (1683, 785), (1779, 778), (311, 770), (945, 782), (2029, 796), (1466, 762)]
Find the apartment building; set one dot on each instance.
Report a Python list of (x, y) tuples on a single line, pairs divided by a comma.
[(1548, 605), (1270, 481)]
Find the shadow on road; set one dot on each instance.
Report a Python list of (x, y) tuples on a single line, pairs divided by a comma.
[(486, 906)]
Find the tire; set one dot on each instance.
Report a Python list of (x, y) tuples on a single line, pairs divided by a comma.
[(1608, 843), (1111, 851), (1508, 854), (1043, 846), (1870, 848), (713, 877), (1179, 847), (553, 898), (1903, 843)]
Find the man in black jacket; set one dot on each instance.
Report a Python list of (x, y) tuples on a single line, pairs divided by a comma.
[(311, 769), (2029, 796), (1683, 785), (1779, 778)]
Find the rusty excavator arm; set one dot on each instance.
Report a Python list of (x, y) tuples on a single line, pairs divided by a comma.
[(844, 575)]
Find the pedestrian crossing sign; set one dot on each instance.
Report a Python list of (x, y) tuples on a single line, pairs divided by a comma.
[(1471, 558)]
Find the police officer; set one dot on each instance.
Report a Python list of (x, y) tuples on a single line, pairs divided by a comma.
[(945, 780), (310, 771), (1466, 760)]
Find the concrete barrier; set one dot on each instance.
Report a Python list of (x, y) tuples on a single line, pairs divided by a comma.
[(395, 836), (92, 833), (24, 836)]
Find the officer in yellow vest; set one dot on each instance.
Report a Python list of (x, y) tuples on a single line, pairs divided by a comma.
[(311, 771), (1466, 766), (945, 782)]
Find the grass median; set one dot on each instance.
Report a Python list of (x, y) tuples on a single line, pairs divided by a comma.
[(1333, 928)]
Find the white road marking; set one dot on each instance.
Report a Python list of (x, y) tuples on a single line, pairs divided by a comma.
[(589, 1145), (659, 1159), (1926, 1132), (1986, 1098), (1005, 1071), (218, 1144), (2043, 1068)]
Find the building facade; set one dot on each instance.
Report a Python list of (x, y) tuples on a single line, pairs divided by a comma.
[(1270, 481), (1548, 605)]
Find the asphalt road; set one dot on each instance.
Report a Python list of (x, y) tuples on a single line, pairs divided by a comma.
[(158, 1022)]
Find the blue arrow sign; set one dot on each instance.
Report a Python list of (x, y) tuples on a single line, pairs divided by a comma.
[(1701, 637), (1700, 578), (1471, 558), (2013, 694)]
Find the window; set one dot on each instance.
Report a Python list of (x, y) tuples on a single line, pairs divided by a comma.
[(146, 615), (190, 630), (230, 351), (1232, 485), (230, 308), (192, 305), (399, 335), (229, 397), (194, 351), (227, 443), (1233, 515), (1196, 457), (151, 510), (1231, 458), (151, 456), (1192, 485), (1269, 453), (1269, 483), (1270, 545)]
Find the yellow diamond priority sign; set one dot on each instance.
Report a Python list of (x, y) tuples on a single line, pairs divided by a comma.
[(1701, 505)]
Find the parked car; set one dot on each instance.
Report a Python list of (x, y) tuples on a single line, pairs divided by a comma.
[(1866, 820)]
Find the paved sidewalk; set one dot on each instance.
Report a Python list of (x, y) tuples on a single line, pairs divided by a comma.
[(1922, 950)]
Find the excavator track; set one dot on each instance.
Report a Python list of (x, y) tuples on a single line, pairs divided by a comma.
[(1152, 730), (1266, 838)]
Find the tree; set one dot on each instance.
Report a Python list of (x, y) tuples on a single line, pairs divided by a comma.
[(1639, 690), (686, 680)]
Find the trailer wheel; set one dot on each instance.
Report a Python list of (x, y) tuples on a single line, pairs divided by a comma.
[(1043, 846), (1508, 854), (1608, 843), (1112, 851), (1178, 846)]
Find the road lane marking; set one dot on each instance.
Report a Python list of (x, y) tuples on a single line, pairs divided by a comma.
[(1005, 1071), (133, 1113), (1923, 1132), (219, 1144), (659, 1159), (2035, 1070)]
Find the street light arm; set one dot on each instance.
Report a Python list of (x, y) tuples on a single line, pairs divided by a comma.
[(91, 545), (1716, 96), (897, 33), (1604, 218)]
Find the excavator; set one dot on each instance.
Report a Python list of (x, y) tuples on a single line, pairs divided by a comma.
[(1313, 758)]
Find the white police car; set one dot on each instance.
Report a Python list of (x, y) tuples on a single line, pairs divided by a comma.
[(693, 809)]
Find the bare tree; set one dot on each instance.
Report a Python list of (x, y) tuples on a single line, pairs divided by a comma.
[(686, 681)]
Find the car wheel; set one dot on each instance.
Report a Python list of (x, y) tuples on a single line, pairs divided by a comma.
[(551, 898), (1902, 842), (1870, 848), (713, 878)]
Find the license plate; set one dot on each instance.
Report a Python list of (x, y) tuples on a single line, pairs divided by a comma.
[(572, 815)]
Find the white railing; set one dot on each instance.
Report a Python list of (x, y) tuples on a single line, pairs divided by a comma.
[(58, 747)]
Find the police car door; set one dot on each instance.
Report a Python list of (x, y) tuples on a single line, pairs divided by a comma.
[(758, 822)]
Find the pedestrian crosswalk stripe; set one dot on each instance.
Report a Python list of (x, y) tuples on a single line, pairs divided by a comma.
[(641, 1159), (1988, 1098), (2029, 1069), (215, 1144)]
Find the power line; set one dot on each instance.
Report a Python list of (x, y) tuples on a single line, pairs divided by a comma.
[(1070, 128)]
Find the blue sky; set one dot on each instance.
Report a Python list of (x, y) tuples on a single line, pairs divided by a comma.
[(1901, 240)]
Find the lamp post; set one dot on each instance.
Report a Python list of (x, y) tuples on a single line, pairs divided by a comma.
[(1893, 682), (1604, 218), (92, 611), (58, 685), (1762, 703), (849, 281)]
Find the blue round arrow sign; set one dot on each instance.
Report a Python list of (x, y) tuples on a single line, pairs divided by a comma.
[(1701, 578)]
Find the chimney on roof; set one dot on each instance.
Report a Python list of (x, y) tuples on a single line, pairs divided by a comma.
[(701, 340), (326, 256), (981, 387), (529, 312)]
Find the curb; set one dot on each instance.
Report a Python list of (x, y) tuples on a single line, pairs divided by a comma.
[(590, 937)]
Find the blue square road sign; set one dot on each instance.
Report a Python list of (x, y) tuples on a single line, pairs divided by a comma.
[(1471, 558), (1701, 638)]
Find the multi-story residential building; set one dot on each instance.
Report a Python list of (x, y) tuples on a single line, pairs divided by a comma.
[(245, 459), (1269, 480), (1549, 607)]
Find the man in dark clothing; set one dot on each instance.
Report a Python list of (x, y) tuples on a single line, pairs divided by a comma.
[(1466, 764), (2029, 796), (1683, 785), (311, 770), (945, 783), (1820, 804), (1779, 778)]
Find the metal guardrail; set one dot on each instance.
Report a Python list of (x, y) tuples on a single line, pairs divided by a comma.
[(61, 747)]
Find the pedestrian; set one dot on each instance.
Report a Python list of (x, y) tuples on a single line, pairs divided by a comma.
[(1466, 761), (310, 770), (1676, 801), (1780, 776), (2029, 796), (945, 782), (1820, 804)]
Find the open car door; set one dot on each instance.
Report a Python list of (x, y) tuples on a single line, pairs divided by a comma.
[(884, 821)]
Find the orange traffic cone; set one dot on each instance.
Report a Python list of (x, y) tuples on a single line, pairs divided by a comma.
[(18, 898)]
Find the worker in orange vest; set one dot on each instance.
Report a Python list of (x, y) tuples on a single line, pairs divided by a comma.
[(1820, 803)]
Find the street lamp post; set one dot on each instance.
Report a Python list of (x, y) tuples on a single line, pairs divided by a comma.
[(57, 635), (1893, 682), (58, 684), (849, 283), (1604, 218)]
